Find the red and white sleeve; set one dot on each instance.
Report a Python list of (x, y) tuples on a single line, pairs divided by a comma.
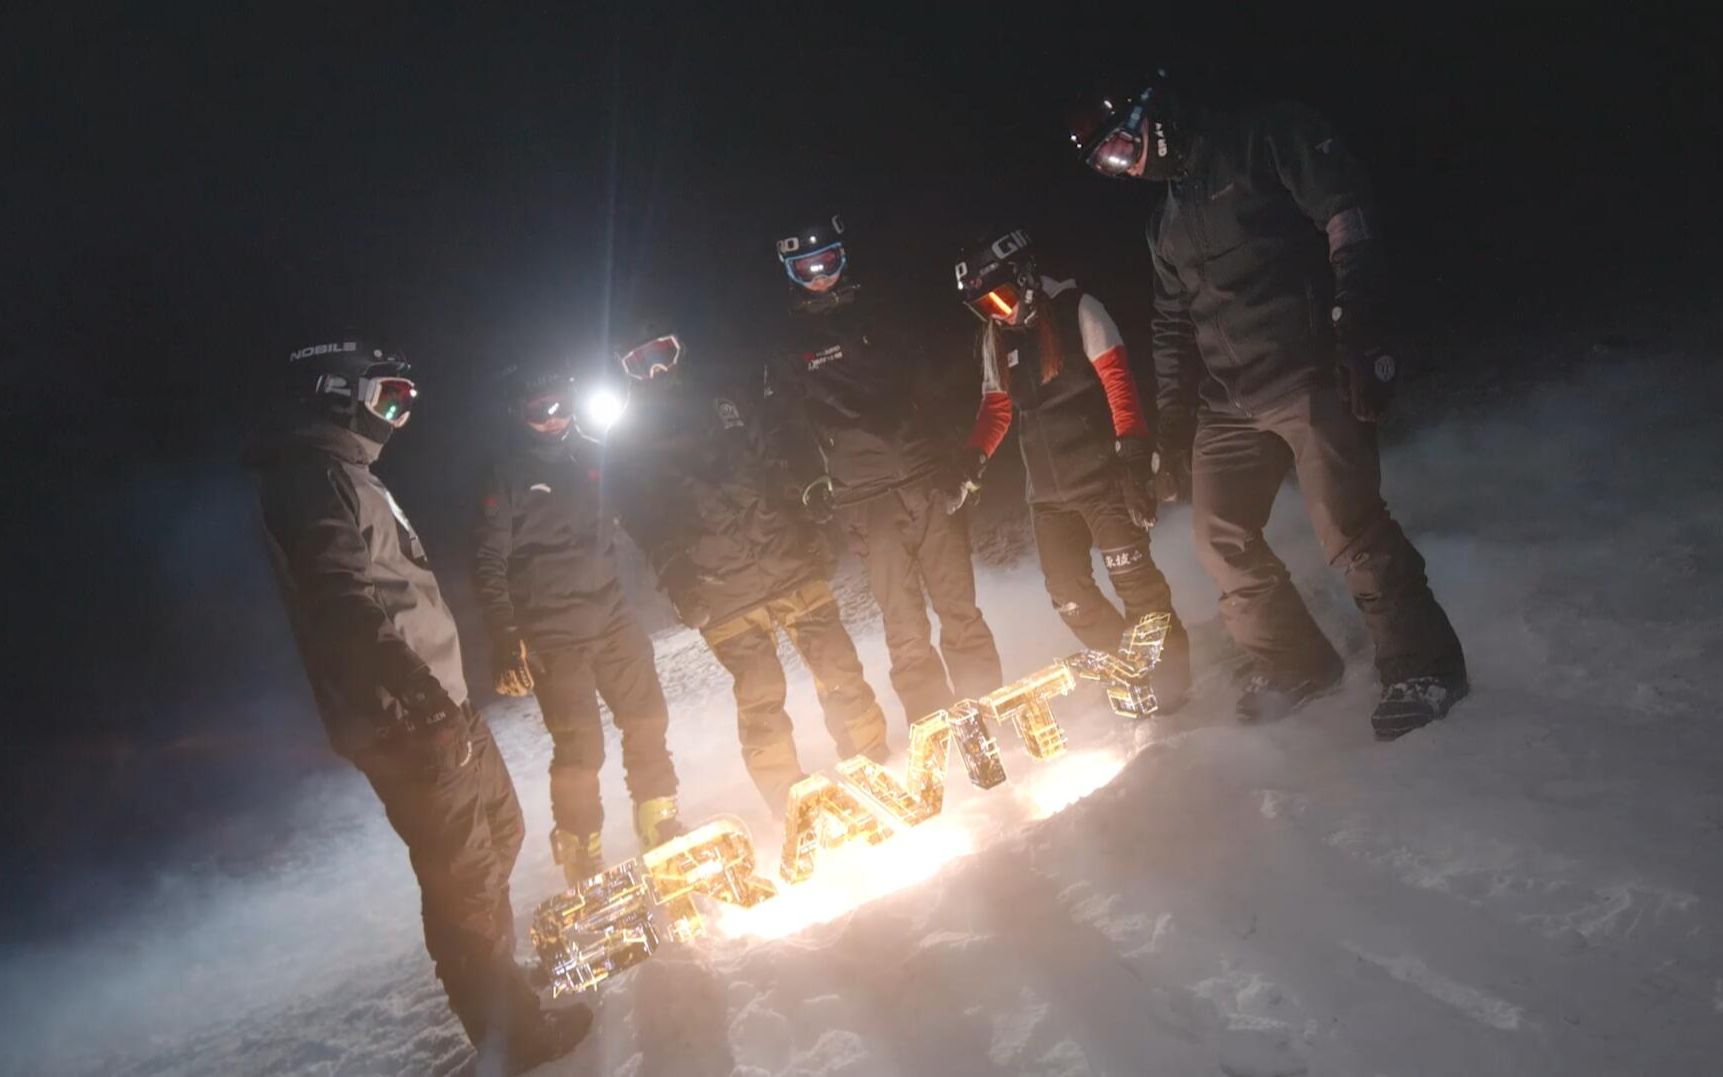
[(1106, 350)]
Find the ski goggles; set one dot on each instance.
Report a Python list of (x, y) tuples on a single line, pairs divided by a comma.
[(1116, 152), (998, 303), (654, 357), (1110, 139), (814, 266), (389, 397), (547, 408)]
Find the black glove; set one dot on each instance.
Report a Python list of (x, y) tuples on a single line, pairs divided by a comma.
[(681, 582), (1173, 457), (511, 673), (437, 729), (959, 478), (1137, 460), (817, 499), (1366, 369)]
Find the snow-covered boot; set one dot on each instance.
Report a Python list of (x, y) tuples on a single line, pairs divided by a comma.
[(1415, 702), (581, 855), (1268, 696), (655, 822)]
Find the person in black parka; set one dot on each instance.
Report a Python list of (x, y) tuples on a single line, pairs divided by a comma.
[(1271, 340), (381, 651), (856, 382), (717, 511), (560, 626)]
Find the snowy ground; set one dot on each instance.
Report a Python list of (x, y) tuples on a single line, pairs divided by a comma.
[(1532, 887)]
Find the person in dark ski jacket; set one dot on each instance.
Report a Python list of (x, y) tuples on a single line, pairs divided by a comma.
[(718, 515), (381, 651), (1052, 357), (1270, 337), (856, 384), (560, 626)]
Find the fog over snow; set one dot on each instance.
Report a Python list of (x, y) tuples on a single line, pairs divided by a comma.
[(1532, 886)]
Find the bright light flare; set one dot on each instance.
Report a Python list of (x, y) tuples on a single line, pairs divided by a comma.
[(1051, 789), (603, 408), (849, 877)]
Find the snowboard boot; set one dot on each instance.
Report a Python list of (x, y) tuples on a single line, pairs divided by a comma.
[(1269, 696), (655, 822), (1415, 702), (581, 855), (551, 1035), (1172, 676)]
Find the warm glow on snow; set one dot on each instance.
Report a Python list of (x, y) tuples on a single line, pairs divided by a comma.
[(849, 878), (1051, 789)]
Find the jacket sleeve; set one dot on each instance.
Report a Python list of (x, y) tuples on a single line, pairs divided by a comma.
[(1105, 347), (311, 512), (993, 418), (493, 542), (1178, 365), (1330, 186)]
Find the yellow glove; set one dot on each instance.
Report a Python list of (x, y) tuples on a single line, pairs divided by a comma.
[(512, 676)]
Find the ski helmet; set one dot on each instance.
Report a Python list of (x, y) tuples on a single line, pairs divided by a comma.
[(366, 386), (1135, 126), (998, 280), (541, 395), (814, 256)]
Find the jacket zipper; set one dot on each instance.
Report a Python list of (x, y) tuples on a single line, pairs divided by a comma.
[(1201, 251)]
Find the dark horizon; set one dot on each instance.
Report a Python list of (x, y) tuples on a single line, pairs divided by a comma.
[(189, 201)]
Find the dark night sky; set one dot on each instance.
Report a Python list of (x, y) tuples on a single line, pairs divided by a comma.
[(187, 195)]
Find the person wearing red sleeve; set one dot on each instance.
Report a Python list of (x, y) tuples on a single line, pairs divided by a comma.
[(1052, 360)]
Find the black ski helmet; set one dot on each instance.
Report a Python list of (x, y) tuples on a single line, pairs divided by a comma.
[(1143, 120), (814, 256), (540, 395), (997, 276), (366, 388)]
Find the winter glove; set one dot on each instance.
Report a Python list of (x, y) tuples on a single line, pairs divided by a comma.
[(1137, 460), (1173, 458), (437, 731), (511, 674), (681, 581), (817, 499), (1366, 369), (959, 478)]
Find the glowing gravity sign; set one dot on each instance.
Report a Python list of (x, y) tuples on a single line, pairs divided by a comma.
[(616, 919)]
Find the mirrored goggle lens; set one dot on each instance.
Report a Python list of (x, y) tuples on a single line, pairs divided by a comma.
[(999, 303), (1115, 154), (548, 408), (391, 399), (825, 262), (652, 358)]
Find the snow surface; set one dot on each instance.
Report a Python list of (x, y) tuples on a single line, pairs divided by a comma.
[(1531, 887)]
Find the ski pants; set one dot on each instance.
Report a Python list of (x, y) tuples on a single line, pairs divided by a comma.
[(463, 830), (617, 666), (914, 553), (1065, 532), (747, 646), (1238, 464)]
